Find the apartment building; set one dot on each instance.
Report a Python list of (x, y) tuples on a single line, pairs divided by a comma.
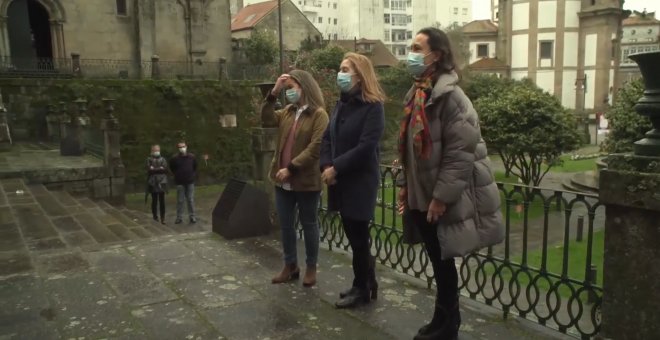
[(392, 21)]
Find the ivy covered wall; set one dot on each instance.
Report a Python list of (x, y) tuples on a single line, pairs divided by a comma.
[(149, 112)]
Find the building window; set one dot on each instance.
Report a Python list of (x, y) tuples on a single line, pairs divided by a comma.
[(387, 35), (399, 20), (320, 20), (482, 51), (408, 34), (455, 10), (335, 21), (122, 9), (401, 51), (335, 36), (464, 11), (334, 6), (386, 3), (386, 18), (409, 18), (546, 49), (398, 5)]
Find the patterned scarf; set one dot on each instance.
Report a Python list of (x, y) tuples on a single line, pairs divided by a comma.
[(415, 119)]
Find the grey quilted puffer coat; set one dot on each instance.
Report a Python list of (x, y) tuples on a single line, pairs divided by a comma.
[(458, 173)]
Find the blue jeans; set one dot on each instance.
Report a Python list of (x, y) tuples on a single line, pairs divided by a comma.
[(185, 194), (307, 203)]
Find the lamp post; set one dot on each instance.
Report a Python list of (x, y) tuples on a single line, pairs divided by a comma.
[(279, 23)]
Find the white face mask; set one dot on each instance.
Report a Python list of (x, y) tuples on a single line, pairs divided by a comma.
[(156, 153), (183, 150)]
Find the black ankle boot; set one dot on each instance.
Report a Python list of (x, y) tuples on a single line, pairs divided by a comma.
[(444, 325), (354, 298)]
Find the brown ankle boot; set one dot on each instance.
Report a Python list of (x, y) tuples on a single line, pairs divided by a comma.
[(288, 273), (310, 276)]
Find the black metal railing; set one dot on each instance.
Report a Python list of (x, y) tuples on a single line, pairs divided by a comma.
[(546, 270), (36, 67)]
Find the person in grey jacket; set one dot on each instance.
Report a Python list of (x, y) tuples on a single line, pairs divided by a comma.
[(157, 182), (447, 190)]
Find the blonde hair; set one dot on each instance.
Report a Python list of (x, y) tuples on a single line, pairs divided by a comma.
[(311, 92), (371, 90)]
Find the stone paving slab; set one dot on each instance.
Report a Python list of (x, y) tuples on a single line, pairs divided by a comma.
[(33, 223), (200, 286)]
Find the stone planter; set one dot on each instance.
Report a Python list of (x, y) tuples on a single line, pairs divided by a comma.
[(649, 104)]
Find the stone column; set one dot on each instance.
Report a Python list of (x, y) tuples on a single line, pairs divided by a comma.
[(155, 67), (72, 144), (630, 190), (264, 143), (53, 123), (75, 65), (113, 190), (5, 135)]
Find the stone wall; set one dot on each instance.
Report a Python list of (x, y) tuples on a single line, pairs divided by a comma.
[(149, 112), (176, 30), (295, 26)]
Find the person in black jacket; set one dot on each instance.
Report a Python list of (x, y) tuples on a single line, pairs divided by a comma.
[(157, 182), (184, 168), (350, 164)]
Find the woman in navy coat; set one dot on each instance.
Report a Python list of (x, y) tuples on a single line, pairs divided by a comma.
[(350, 165)]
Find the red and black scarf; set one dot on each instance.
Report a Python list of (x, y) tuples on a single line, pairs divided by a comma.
[(415, 119)]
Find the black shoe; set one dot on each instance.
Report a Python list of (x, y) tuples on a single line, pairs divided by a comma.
[(193, 220), (443, 326), (156, 218), (356, 298), (178, 221), (347, 292)]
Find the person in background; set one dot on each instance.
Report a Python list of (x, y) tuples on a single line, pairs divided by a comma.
[(447, 191), (350, 164), (295, 168), (184, 168), (157, 182)]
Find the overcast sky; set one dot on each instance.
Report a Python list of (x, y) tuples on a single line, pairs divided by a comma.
[(481, 8)]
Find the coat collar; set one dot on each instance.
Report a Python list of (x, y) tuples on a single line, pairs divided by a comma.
[(354, 95), (446, 83)]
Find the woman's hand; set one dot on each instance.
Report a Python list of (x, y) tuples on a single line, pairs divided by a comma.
[(279, 84), (328, 176), (282, 175), (402, 200), (436, 210)]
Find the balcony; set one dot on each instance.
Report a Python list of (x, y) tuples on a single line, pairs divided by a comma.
[(311, 6)]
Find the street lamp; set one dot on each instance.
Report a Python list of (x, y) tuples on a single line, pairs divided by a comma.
[(279, 23)]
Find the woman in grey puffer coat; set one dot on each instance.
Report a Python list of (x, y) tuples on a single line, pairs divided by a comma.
[(447, 191)]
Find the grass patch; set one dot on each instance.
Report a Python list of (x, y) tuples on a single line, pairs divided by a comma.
[(576, 264)]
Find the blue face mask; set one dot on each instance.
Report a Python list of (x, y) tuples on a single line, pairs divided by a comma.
[(415, 64), (292, 95), (345, 81)]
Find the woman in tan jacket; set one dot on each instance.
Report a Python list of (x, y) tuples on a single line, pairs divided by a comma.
[(295, 168)]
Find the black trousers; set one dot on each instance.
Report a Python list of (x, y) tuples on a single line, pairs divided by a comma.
[(158, 198), (357, 233), (445, 274)]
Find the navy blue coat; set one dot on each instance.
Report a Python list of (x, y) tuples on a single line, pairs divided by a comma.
[(350, 144)]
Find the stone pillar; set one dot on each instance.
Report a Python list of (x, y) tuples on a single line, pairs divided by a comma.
[(75, 65), (5, 135), (630, 190), (155, 67), (72, 144), (222, 64), (53, 123), (114, 193), (264, 144)]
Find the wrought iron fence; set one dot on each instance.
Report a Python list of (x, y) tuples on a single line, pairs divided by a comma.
[(36, 67), (130, 69), (545, 270)]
